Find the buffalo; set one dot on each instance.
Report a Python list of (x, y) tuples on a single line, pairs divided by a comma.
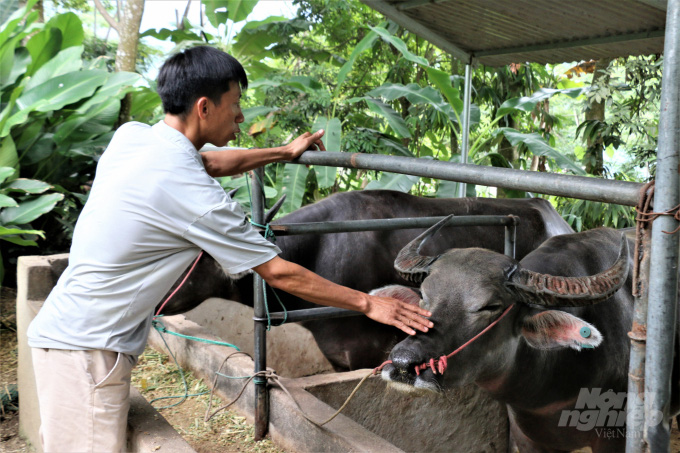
[(364, 260), (561, 372)]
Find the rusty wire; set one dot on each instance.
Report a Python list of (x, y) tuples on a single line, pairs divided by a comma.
[(643, 224)]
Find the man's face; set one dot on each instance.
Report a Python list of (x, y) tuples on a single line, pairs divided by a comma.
[(226, 117)]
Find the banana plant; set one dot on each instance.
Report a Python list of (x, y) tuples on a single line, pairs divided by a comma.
[(21, 202), (57, 111)]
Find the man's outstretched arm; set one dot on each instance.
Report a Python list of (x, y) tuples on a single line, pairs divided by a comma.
[(234, 162), (309, 286)]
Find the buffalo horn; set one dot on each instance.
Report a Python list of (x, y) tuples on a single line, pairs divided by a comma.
[(410, 264), (274, 209), (553, 291)]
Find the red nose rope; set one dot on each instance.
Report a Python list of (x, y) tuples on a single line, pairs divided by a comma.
[(439, 365)]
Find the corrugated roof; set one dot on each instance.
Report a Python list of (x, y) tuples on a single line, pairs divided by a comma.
[(500, 32)]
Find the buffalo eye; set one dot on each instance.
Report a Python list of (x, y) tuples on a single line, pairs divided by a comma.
[(491, 308)]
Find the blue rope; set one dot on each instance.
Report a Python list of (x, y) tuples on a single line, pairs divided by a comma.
[(159, 326), (184, 381), (268, 233)]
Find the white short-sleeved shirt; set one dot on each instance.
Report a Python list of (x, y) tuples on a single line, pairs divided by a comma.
[(152, 208)]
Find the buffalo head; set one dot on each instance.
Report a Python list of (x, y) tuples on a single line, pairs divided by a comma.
[(468, 289)]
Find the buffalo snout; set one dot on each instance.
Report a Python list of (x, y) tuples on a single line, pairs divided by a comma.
[(402, 369)]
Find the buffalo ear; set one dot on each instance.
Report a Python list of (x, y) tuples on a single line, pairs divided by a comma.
[(403, 293), (555, 329)]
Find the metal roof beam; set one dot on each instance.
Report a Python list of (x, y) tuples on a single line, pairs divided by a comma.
[(408, 4), (418, 28), (573, 43), (658, 4)]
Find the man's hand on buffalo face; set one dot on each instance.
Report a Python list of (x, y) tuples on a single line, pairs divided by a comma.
[(394, 312)]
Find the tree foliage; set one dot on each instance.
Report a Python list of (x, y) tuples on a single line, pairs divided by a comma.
[(341, 66)]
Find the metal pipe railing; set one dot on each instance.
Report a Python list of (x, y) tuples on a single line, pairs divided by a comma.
[(309, 314), (663, 280), (352, 226), (465, 126), (595, 189), (635, 416), (259, 310)]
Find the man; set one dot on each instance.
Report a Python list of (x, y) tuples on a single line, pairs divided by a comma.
[(153, 206)]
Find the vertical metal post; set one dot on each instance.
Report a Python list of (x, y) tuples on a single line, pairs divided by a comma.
[(261, 394), (465, 127), (510, 239), (635, 417), (663, 281)]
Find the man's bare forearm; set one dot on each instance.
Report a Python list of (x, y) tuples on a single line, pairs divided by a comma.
[(235, 161), (307, 285)]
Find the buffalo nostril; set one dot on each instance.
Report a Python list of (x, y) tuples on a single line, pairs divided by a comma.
[(405, 361)]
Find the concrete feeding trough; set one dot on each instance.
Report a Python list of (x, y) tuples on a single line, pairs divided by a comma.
[(378, 418)]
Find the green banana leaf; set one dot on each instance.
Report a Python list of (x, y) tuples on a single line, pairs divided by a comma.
[(332, 140), (416, 95), (528, 103), (30, 210), (7, 202), (11, 231), (68, 60), (8, 153), (365, 44), (393, 181), (236, 10), (293, 184), (5, 172), (395, 121), (399, 45), (71, 29), (15, 20), (43, 46), (55, 94), (24, 185), (539, 147)]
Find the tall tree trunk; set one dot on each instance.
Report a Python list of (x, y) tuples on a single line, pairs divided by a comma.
[(126, 55), (128, 38), (41, 11), (511, 153), (594, 156)]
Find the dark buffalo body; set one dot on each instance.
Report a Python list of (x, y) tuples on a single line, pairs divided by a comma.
[(535, 359), (364, 261)]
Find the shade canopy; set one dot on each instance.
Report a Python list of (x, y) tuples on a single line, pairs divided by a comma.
[(500, 32)]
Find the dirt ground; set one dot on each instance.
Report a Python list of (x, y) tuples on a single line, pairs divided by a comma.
[(157, 376)]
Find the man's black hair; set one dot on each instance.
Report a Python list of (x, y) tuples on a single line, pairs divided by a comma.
[(194, 73)]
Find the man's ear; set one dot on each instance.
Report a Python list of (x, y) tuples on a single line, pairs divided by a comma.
[(201, 106), (403, 293), (555, 329)]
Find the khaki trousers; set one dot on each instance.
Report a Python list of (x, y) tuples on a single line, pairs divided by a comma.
[(83, 398)]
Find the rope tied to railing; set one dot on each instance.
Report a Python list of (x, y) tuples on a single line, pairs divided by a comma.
[(268, 233), (643, 224), (274, 378), (644, 215), (642, 228)]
